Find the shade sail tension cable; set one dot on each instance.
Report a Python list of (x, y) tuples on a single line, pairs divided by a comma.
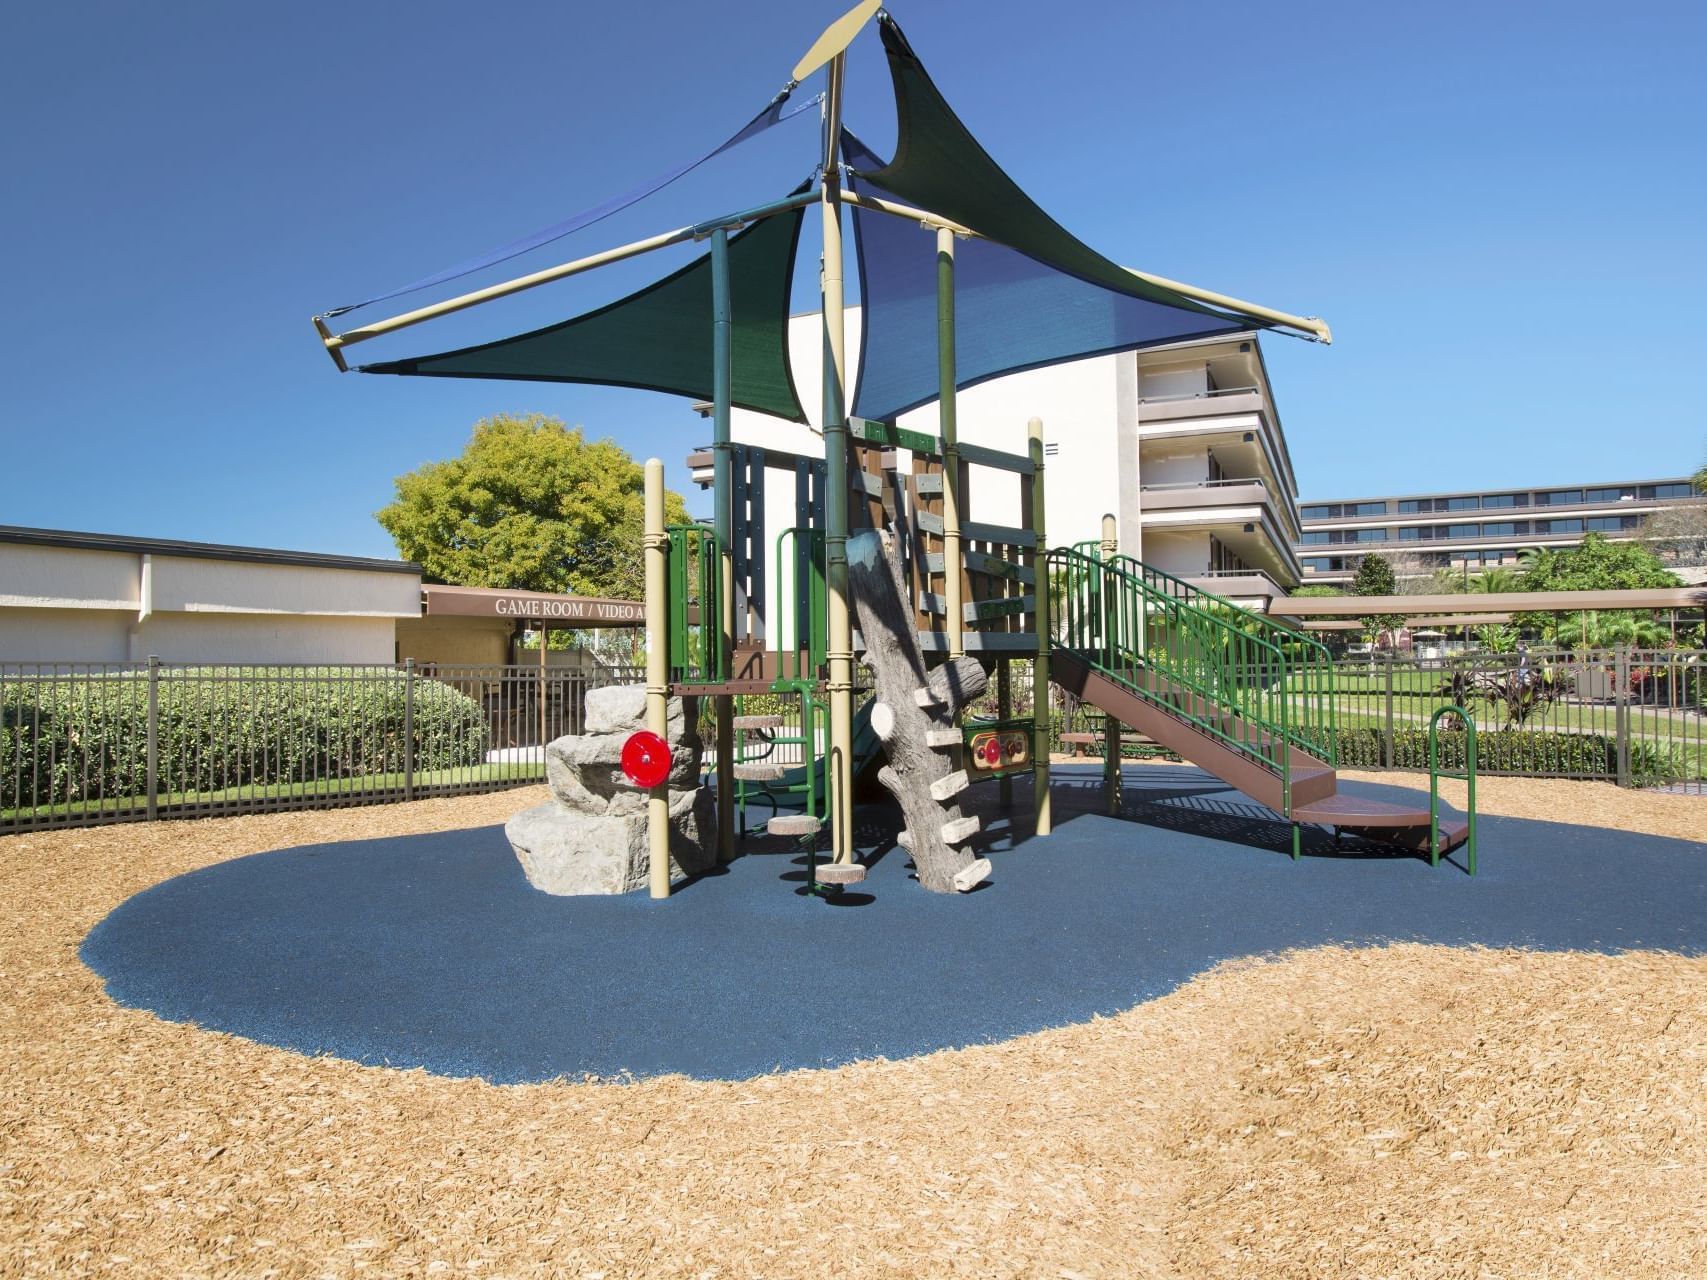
[(773, 114)]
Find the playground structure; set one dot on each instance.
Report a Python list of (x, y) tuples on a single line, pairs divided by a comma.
[(883, 530)]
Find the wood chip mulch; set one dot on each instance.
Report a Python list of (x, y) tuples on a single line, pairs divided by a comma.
[(1406, 1111)]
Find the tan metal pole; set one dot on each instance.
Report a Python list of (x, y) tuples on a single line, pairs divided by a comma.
[(1041, 711), (839, 686), (953, 579), (1111, 726), (335, 342), (657, 544)]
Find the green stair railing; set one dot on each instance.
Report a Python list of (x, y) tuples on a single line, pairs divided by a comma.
[(1306, 677), (1199, 657), (694, 591)]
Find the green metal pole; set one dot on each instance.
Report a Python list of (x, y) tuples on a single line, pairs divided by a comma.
[(1042, 714), (1112, 729), (723, 491)]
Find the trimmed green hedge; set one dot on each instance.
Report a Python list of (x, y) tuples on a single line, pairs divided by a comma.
[(68, 741), (1518, 751)]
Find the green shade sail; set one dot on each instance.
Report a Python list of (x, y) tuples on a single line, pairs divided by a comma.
[(939, 166), (659, 338)]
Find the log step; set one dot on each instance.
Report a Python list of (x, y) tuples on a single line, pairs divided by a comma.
[(950, 737), (971, 874), (928, 698), (756, 722), (758, 772), (794, 824), (952, 785), (960, 829), (839, 873)]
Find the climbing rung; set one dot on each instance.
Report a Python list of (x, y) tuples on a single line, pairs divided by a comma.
[(794, 824), (904, 838), (756, 722), (953, 785), (943, 737), (758, 772), (839, 873), (960, 829), (926, 697)]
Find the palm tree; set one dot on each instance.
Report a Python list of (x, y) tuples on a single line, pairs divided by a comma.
[(1497, 579)]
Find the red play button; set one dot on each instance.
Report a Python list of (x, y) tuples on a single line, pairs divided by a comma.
[(646, 759)]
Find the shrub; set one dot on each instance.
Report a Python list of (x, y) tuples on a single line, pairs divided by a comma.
[(63, 741), (1503, 751)]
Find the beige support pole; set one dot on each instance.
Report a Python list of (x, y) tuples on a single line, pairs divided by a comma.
[(657, 545), (1042, 712), (839, 686), (1111, 726), (947, 377)]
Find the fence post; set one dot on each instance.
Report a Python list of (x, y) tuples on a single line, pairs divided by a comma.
[(153, 737), (1387, 752), (1621, 717), (409, 728)]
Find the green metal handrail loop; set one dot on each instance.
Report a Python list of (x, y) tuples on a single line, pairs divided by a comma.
[(1468, 777)]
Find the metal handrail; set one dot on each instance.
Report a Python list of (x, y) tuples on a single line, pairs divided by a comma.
[(1468, 777), (1202, 484), (1222, 669), (803, 566), (1200, 395)]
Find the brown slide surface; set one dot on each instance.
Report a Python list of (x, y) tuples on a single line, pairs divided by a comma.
[(1316, 797)]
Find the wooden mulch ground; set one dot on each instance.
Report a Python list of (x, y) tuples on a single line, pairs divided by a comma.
[(1409, 1111)]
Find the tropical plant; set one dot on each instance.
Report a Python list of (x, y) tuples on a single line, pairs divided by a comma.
[(1498, 638), (1518, 692)]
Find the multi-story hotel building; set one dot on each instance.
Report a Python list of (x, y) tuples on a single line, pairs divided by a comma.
[(1181, 443), (1478, 529)]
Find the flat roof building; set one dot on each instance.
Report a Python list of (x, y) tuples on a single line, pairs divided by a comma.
[(1475, 529)]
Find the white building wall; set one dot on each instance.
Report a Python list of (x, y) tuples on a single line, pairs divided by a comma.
[(1077, 403), (64, 604)]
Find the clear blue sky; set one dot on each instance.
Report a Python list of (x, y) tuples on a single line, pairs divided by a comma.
[(1498, 207)]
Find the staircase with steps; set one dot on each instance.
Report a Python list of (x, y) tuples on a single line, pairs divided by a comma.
[(1232, 691)]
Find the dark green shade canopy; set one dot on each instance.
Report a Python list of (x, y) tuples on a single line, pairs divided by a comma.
[(938, 165), (659, 339)]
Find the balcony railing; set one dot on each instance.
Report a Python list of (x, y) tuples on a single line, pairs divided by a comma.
[(1199, 395), (1202, 484)]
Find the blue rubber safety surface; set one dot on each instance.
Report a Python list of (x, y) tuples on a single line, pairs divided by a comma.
[(433, 951)]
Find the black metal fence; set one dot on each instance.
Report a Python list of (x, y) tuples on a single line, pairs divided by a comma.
[(1637, 717), (82, 743)]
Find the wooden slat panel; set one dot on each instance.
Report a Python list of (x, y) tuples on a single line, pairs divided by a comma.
[(1015, 462)]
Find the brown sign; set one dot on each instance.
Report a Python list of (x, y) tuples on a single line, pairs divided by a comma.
[(532, 606)]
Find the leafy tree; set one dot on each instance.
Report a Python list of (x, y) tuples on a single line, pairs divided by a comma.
[(1594, 565), (1375, 578), (1498, 638), (1316, 590), (532, 505), (1597, 565), (1699, 479)]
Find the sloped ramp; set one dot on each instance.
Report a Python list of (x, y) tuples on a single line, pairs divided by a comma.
[(1316, 797)]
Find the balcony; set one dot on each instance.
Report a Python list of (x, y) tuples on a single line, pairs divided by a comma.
[(1188, 494)]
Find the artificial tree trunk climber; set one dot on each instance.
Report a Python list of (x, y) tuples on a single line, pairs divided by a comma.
[(915, 717)]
